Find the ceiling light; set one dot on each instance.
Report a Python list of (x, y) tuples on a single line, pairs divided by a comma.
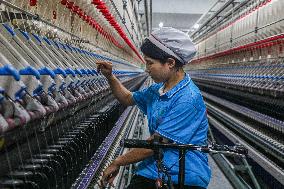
[(196, 26)]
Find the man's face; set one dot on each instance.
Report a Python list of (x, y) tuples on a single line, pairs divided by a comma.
[(159, 72)]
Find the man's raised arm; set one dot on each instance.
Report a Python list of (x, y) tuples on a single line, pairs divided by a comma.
[(123, 95)]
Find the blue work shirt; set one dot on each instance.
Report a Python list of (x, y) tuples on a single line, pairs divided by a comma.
[(178, 115)]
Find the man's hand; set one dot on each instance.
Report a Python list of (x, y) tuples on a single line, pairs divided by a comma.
[(109, 175), (123, 95), (105, 68)]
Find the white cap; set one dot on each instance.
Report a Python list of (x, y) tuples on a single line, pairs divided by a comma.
[(175, 43)]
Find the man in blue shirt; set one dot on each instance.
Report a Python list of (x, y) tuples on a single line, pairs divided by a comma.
[(174, 108)]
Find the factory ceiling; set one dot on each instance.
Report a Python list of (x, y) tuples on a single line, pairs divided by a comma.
[(180, 14)]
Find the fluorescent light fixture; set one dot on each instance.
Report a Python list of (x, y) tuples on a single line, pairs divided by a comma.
[(196, 26)]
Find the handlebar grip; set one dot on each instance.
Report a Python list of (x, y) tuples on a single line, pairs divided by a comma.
[(238, 149), (241, 150), (134, 143)]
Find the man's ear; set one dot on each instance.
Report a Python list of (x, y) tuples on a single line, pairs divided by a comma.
[(171, 62)]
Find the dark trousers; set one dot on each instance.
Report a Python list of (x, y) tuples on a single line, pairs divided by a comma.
[(139, 182)]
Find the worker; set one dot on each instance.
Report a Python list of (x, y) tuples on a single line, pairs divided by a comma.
[(175, 111)]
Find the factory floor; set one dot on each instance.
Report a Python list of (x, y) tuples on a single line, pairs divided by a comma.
[(218, 179)]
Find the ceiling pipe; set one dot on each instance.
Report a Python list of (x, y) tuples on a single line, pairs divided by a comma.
[(227, 15), (151, 15), (214, 16), (146, 16)]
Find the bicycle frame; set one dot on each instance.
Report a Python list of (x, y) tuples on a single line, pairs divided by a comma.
[(155, 145)]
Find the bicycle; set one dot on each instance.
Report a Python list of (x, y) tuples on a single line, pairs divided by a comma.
[(157, 146)]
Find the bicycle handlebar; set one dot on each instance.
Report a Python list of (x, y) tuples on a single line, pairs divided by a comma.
[(214, 148)]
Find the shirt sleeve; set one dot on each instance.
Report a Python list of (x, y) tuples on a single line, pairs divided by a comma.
[(141, 99), (180, 124)]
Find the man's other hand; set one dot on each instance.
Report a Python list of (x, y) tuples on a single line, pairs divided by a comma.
[(105, 68), (109, 175)]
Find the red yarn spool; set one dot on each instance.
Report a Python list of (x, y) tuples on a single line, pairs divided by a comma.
[(98, 2), (69, 5), (101, 7), (85, 17), (112, 20), (80, 13), (116, 26), (75, 9), (33, 2), (63, 2), (104, 11), (107, 15), (89, 18), (95, 25)]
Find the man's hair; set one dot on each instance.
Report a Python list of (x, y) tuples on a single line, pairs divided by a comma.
[(152, 51)]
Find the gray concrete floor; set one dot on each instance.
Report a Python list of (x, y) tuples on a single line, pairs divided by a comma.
[(218, 179)]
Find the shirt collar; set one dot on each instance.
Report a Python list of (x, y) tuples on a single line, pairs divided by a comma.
[(184, 82)]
